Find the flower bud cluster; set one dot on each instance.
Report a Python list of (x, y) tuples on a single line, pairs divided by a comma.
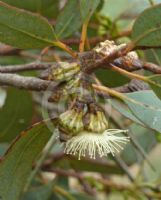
[(61, 71), (83, 117)]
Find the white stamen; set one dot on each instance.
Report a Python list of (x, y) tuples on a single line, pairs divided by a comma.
[(88, 143)]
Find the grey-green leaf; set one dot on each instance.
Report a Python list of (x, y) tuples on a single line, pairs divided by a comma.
[(156, 86), (16, 165), (147, 108), (16, 114), (87, 165), (87, 8), (147, 28), (23, 29), (69, 20), (43, 192), (47, 8), (125, 111)]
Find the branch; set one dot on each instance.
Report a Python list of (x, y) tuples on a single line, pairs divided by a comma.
[(87, 187), (29, 83), (133, 86), (105, 54), (92, 61), (95, 40), (6, 50), (24, 67), (152, 67), (36, 84), (137, 64), (109, 184)]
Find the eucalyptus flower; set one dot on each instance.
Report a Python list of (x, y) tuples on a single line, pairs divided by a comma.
[(96, 138), (91, 143)]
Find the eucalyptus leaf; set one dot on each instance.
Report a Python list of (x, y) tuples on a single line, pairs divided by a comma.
[(87, 165), (147, 108), (47, 8), (111, 78), (145, 139), (153, 55), (154, 157), (116, 10), (125, 111), (16, 165), (156, 85), (69, 19), (16, 114), (23, 29), (147, 28), (87, 8), (43, 192)]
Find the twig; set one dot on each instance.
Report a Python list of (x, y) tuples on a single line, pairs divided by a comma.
[(124, 167), (133, 86), (91, 60), (128, 74), (24, 67), (152, 67), (59, 190), (76, 175), (6, 50), (36, 84), (66, 48), (83, 36), (29, 83), (97, 39), (88, 189), (137, 64), (110, 184)]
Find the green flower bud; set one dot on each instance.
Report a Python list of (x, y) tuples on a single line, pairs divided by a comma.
[(97, 122), (72, 120), (96, 118)]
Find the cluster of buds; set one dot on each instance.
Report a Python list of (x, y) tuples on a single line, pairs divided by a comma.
[(66, 75), (89, 133), (66, 89), (76, 87)]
